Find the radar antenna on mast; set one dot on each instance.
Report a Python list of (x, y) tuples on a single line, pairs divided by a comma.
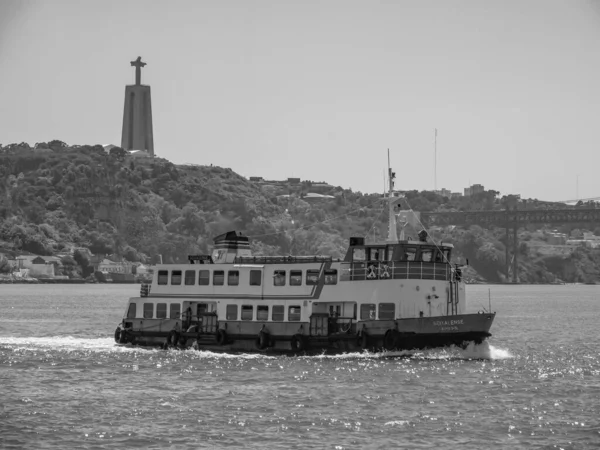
[(392, 233)]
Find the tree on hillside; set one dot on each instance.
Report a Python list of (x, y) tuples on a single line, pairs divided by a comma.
[(57, 145), (70, 267), (118, 153), (84, 263), (5, 267)]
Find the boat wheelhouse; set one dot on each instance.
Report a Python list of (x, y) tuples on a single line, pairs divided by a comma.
[(397, 294)]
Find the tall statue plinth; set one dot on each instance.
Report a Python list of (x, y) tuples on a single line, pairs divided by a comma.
[(137, 114)]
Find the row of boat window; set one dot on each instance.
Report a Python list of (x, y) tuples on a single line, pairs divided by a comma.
[(231, 313), (368, 311), (280, 277), (161, 311), (407, 253), (262, 313)]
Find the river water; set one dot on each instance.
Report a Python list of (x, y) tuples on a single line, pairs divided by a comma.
[(64, 384)]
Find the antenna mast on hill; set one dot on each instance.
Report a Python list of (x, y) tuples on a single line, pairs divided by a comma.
[(392, 234), (435, 161)]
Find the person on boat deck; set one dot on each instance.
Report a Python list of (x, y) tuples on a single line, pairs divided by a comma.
[(187, 318), (333, 324)]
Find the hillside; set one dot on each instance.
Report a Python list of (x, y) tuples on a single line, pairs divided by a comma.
[(57, 198)]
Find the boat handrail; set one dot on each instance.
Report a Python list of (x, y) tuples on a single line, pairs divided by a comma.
[(282, 259), (397, 270)]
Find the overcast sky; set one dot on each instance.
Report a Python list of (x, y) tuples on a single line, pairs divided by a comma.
[(321, 89)]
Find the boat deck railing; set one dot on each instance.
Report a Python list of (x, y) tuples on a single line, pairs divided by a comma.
[(282, 259), (397, 270)]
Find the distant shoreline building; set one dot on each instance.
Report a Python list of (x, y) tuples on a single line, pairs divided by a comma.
[(474, 189)]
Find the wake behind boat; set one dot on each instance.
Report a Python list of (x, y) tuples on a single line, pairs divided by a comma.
[(397, 294)]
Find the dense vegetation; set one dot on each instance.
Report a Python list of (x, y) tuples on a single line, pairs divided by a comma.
[(58, 198)]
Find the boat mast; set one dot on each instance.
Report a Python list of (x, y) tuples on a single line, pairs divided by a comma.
[(392, 234)]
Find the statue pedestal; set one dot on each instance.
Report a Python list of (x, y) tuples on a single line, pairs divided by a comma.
[(137, 119)]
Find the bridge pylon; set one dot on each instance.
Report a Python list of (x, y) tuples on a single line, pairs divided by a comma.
[(512, 240), (511, 219)]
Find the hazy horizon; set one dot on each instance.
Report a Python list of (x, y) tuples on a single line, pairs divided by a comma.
[(321, 90)]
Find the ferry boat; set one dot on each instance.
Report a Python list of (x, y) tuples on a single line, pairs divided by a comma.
[(398, 294)]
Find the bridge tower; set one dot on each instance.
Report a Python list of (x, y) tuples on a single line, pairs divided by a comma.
[(512, 240)]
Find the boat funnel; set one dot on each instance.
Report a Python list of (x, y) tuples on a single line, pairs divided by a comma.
[(357, 241), (230, 245)]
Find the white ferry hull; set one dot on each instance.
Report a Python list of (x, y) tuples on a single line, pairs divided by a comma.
[(375, 335)]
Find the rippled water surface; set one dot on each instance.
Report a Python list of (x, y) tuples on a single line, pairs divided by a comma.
[(64, 384)]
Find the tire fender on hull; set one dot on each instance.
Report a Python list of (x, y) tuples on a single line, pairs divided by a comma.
[(221, 336), (172, 338), (120, 336), (297, 343), (362, 340), (390, 340), (262, 341)]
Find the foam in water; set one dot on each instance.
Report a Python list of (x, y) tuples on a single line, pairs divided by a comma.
[(66, 343), (70, 343), (484, 351)]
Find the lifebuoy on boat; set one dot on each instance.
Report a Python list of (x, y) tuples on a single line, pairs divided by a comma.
[(221, 336), (384, 271), (371, 272), (297, 342), (389, 340)]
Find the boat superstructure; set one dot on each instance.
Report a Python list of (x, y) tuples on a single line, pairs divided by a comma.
[(395, 294)]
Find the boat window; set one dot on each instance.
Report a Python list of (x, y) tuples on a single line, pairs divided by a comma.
[(255, 277), (201, 308), (163, 276), (176, 277), (131, 311), (233, 277), (294, 314), (204, 277), (446, 258), (367, 311), (279, 278), (312, 277), (231, 313), (426, 254), (277, 313), (331, 276), (295, 277), (387, 310), (377, 254), (262, 312), (247, 312), (218, 277), (161, 310), (410, 253), (439, 257), (190, 277), (175, 311), (148, 310), (358, 254)]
